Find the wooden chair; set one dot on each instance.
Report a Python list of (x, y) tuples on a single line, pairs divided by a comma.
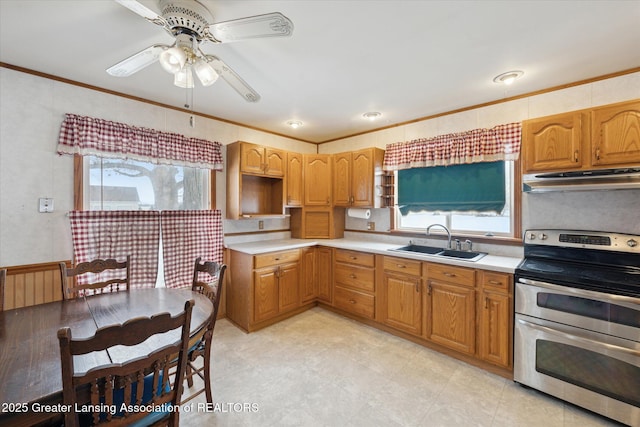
[(72, 290), (140, 381), (3, 278), (200, 345)]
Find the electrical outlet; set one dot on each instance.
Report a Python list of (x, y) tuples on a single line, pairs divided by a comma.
[(371, 225), (45, 205), (260, 225)]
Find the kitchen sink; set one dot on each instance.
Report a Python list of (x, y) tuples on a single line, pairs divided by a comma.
[(469, 256), (440, 252), (430, 250)]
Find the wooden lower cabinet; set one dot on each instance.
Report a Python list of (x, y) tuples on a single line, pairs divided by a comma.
[(402, 295), (354, 282), (495, 313), (450, 314), (324, 276), (263, 288)]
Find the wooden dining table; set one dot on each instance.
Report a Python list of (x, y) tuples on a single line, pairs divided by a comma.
[(30, 371)]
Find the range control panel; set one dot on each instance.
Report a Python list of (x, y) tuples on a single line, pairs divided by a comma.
[(584, 239)]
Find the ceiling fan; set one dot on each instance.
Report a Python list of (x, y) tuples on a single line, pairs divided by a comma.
[(191, 23)]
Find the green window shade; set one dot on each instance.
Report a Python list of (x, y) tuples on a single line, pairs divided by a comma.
[(478, 187)]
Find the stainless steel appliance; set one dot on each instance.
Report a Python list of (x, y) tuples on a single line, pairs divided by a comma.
[(582, 180), (577, 320)]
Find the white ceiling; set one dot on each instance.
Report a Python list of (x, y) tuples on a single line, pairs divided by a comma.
[(405, 59)]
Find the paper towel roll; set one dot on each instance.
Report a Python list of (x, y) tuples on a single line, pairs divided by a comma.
[(359, 213)]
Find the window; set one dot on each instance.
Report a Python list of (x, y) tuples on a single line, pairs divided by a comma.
[(117, 184), (470, 199)]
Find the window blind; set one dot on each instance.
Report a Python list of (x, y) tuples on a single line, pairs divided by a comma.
[(475, 187)]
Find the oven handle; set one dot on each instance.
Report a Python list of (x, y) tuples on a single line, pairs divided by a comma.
[(630, 351), (582, 292)]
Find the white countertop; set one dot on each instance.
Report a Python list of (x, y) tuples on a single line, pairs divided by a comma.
[(503, 264)]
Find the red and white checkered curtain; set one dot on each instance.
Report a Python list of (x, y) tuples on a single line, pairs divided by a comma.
[(187, 235), (479, 145), (116, 234), (90, 136)]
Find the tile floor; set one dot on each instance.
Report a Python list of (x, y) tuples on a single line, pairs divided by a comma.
[(321, 369)]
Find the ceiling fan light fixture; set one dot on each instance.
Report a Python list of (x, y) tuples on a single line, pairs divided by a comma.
[(173, 59), (508, 77), (184, 78), (205, 72)]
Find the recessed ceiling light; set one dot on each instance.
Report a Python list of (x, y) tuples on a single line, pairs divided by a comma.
[(295, 124), (508, 77), (372, 115)]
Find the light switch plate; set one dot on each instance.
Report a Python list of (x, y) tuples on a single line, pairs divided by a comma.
[(45, 205)]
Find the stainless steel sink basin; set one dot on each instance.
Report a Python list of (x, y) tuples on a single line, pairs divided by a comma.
[(440, 252), (430, 250)]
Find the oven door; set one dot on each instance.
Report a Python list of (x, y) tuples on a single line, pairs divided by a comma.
[(596, 371), (610, 314)]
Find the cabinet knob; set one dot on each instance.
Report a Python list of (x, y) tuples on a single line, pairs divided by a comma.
[(598, 153), (575, 156)]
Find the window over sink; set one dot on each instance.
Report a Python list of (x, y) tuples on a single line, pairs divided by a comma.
[(476, 199)]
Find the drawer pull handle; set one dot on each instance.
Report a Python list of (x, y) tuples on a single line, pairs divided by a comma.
[(353, 276), (401, 266), (495, 282), (449, 274), (353, 257), (486, 302), (352, 301), (276, 259), (429, 290)]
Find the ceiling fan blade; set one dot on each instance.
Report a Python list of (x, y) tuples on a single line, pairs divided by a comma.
[(234, 80), (269, 25), (145, 12), (137, 62)]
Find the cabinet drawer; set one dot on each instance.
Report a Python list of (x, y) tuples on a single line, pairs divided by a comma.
[(275, 258), (353, 257), (495, 281), (354, 302), (355, 277), (448, 273), (405, 266)]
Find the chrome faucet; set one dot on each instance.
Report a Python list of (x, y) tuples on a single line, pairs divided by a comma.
[(445, 229)]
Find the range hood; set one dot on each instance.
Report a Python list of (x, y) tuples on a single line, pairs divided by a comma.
[(599, 179)]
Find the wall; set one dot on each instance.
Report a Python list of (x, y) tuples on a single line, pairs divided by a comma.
[(31, 110), (615, 211)]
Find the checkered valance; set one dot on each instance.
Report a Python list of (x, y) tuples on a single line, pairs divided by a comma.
[(116, 234), (187, 235), (479, 145), (90, 136)]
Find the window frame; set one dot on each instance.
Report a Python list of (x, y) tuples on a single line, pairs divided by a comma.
[(516, 217), (79, 179)]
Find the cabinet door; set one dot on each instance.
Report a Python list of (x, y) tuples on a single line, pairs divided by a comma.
[(288, 284), (494, 342), (450, 315), (252, 158), (265, 294), (324, 272), (275, 162), (403, 303), (294, 179), (615, 136), (309, 275), (342, 179), (317, 180), (362, 175), (554, 142)]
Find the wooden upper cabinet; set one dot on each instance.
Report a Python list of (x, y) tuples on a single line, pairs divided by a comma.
[(356, 176), (615, 134), (317, 179), (294, 178), (259, 160), (342, 179), (602, 137), (554, 142)]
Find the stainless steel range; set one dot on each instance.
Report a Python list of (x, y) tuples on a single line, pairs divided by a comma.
[(577, 320)]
